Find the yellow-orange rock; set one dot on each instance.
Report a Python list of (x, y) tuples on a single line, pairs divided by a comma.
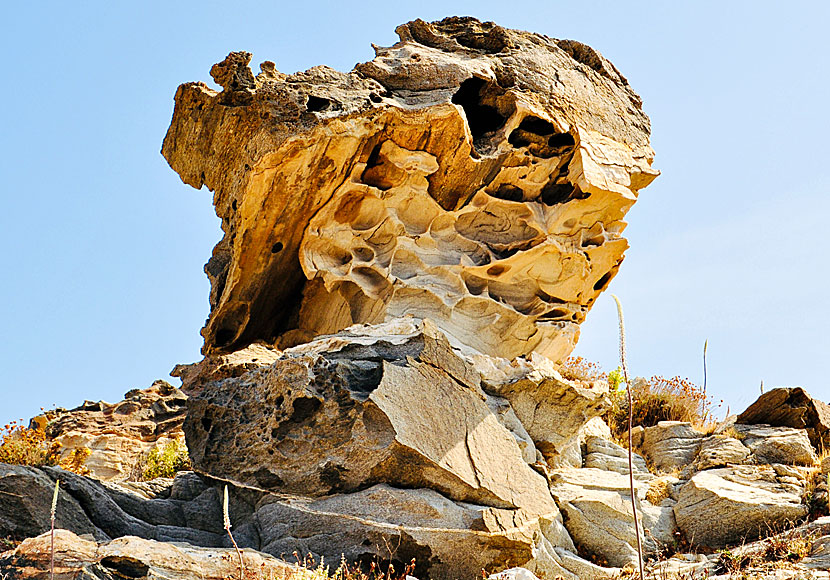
[(470, 174)]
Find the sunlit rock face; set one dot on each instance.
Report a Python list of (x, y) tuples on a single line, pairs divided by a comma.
[(470, 174)]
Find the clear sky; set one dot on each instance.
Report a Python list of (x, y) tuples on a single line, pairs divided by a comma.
[(103, 246)]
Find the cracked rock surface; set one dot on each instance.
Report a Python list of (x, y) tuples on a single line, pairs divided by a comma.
[(470, 174)]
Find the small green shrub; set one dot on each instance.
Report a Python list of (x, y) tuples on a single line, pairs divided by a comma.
[(166, 461)]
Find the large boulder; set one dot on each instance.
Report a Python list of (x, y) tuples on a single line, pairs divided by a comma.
[(718, 507), (791, 407), (387, 404), (470, 174), (447, 539)]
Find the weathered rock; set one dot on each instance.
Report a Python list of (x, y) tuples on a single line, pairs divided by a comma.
[(607, 455), (181, 510), (719, 452), (470, 174), (26, 501), (118, 435), (448, 539), (825, 466), (671, 444), (777, 444), (718, 507), (597, 509), (223, 366), (389, 404), (131, 557), (555, 411), (791, 407)]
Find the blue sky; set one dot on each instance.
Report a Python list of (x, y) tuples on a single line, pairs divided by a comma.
[(103, 289)]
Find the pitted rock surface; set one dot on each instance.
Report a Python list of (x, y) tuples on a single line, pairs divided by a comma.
[(470, 174)]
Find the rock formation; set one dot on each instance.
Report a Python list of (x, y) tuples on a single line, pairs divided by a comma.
[(792, 407), (470, 174), (408, 248), (116, 437)]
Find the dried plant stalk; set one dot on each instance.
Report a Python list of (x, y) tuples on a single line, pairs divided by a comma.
[(624, 365), (227, 520)]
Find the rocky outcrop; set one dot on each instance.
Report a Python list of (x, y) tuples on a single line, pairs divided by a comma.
[(597, 509), (725, 506), (131, 557), (114, 437), (720, 452), (470, 174), (777, 444), (671, 445), (386, 432), (791, 407)]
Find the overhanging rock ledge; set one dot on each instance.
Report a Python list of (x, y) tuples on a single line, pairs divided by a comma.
[(469, 174)]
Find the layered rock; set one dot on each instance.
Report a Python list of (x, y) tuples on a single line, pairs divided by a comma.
[(132, 557), (470, 174), (115, 437), (791, 407), (398, 240), (387, 434), (725, 506)]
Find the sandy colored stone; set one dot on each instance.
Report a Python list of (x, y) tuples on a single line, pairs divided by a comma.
[(597, 509), (387, 404), (448, 539), (720, 452), (671, 445), (718, 507), (131, 557), (470, 174), (778, 444), (553, 410)]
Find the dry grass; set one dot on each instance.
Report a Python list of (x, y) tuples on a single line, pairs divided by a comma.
[(576, 368), (20, 445), (660, 399), (659, 489)]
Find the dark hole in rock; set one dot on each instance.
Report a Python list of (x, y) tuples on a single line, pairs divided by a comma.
[(279, 401), (276, 247), (206, 424), (375, 98), (267, 479), (332, 476), (233, 205), (533, 124), (554, 193), (317, 104), (497, 269), (603, 282), (561, 140), (275, 433), (224, 336), (125, 566), (304, 407), (509, 192), (481, 118)]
